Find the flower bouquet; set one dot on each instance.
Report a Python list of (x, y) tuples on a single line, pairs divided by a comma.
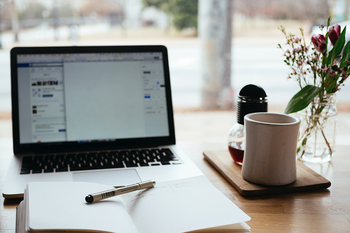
[(320, 68)]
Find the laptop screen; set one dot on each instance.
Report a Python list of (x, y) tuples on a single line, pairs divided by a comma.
[(92, 97)]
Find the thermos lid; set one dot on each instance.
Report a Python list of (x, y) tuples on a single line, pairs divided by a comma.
[(252, 91), (251, 98)]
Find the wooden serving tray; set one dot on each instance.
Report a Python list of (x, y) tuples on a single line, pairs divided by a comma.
[(307, 179)]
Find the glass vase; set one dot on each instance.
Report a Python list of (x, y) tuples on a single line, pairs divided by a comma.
[(317, 133)]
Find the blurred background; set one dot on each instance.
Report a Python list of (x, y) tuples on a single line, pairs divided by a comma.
[(215, 46)]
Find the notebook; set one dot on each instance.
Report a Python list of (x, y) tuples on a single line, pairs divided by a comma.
[(100, 114), (172, 206)]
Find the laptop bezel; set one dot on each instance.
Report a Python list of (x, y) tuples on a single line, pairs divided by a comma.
[(98, 146)]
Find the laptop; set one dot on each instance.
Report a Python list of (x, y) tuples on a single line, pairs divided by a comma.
[(99, 114)]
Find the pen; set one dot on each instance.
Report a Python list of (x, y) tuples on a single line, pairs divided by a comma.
[(114, 192)]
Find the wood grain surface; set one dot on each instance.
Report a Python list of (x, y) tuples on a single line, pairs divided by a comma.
[(326, 210)]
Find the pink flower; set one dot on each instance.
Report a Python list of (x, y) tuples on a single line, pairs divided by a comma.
[(319, 42), (297, 50), (296, 40), (334, 33), (344, 75)]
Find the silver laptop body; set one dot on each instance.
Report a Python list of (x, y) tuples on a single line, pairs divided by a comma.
[(93, 114)]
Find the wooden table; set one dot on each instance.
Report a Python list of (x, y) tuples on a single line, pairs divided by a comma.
[(319, 211)]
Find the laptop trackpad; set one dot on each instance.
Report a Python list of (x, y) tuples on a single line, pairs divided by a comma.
[(120, 177)]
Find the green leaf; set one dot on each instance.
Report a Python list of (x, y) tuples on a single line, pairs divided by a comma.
[(331, 56), (340, 42), (346, 55), (302, 99), (336, 50), (331, 86), (324, 57)]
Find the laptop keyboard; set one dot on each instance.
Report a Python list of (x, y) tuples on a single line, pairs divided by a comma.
[(97, 160)]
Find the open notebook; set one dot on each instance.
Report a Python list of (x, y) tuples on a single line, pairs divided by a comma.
[(186, 205), (99, 114)]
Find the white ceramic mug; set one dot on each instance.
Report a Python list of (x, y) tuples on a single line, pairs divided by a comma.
[(270, 150)]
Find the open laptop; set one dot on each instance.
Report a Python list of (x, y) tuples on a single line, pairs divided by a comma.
[(98, 114)]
